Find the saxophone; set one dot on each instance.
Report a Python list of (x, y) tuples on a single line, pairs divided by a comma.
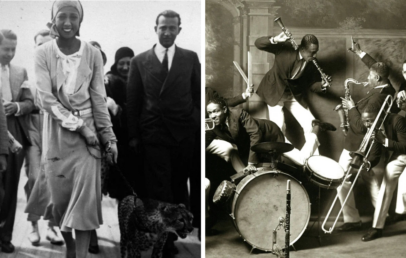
[(343, 112)]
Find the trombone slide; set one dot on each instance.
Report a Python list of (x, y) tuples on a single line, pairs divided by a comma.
[(362, 153)]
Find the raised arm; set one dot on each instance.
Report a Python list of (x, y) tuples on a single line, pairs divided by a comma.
[(273, 44)]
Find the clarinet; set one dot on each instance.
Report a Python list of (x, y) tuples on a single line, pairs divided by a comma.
[(287, 221), (324, 76)]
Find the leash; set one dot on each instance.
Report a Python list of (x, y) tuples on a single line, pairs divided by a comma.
[(105, 158)]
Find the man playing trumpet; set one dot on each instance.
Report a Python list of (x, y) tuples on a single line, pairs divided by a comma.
[(288, 80)]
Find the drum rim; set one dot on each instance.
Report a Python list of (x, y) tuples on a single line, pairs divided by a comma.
[(245, 184), (320, 176)]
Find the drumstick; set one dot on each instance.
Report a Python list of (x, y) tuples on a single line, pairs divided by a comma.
[(287, 220)]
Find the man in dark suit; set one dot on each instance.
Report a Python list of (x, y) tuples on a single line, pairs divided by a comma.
[(379, 87), (292, 74), (369, 61), (232, 125), (391, 144), (17, 102), (163, 98)]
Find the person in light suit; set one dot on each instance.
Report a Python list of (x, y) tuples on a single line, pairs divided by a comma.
[(17, 101), (3, 148), (163, 102)]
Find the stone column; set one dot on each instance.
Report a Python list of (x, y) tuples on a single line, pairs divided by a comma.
[(260, 22)]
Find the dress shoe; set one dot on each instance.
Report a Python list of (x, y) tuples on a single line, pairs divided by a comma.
[(372, 234), (350, 226), (392, 219), (53, 237), (323, 125), (7, 247)]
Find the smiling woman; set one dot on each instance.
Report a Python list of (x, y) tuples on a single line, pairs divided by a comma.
[(71, 89)]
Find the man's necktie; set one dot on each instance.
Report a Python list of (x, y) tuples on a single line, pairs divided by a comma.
[(5, 84), (165, 62)]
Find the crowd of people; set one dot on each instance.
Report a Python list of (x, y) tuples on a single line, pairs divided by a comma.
[(142, 118)]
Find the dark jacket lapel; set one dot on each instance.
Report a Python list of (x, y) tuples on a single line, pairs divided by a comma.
[(153, 66), (176, 68)]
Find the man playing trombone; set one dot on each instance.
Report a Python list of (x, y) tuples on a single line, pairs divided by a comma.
[(379, 85), (390, 142), (291, 75), (400, 97)]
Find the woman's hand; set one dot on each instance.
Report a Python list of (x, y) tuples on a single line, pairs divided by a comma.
[(114, 152), (89, 135)]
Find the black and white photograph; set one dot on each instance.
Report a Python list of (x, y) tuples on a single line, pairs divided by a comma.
[(305, 129), (100, 129)]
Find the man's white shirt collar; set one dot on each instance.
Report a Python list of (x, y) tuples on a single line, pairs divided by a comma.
[(160, 53), (300, 56), (381, 86)]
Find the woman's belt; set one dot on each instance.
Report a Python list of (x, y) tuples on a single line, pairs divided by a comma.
[(82, 112)]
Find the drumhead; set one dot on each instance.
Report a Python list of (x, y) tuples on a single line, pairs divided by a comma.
[(260, 201), (325, 167)]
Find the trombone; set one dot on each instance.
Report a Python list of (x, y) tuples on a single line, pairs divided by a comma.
[(360, 161)]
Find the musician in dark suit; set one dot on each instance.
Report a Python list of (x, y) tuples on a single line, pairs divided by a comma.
[(391, 144), (399, 97), (163, 100), (17, 101), (292, 74), (232, 125), (380, 87)]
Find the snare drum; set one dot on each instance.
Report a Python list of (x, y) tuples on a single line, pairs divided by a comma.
[(324, 172), (259, 202)]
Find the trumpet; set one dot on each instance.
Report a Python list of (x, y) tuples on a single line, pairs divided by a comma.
[(287, 33), (209, 124), (360, 161)]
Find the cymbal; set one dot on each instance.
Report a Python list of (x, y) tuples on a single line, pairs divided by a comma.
[(265, 147)]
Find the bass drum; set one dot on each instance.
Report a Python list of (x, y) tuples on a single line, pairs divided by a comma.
[(259, 202)]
